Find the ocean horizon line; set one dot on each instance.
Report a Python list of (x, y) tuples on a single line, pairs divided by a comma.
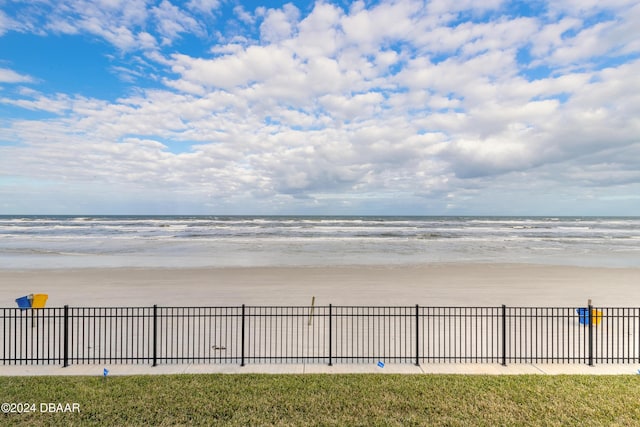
[(169, 215)]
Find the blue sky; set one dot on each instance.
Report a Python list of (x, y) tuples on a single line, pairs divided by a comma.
[(401, 107)]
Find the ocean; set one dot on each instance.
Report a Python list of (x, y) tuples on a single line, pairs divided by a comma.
[(33, 242)]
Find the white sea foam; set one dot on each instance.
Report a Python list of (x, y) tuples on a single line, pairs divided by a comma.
[(55, 241)]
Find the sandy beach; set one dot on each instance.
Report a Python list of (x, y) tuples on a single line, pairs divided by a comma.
[(427, 285)]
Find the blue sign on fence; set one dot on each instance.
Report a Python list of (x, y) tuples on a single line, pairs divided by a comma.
[(381, 364)]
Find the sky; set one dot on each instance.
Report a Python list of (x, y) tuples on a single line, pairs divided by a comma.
[(400, 107)]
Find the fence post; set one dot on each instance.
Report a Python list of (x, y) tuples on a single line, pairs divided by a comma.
[(155, 335), (590, 318), (242, 339), (504, 335), (417, 336), (65, 340), (330, 336)]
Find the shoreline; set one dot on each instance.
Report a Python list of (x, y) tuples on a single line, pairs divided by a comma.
[(438, 284)]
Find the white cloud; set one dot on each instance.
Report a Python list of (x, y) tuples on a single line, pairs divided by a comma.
[(349, 108), (577, 42), (243, 15), (385, 22), (279, 24), (254, 64), (6, 23), (172, 21), (59, 104), (127, 25), (207, 6), (549, 36), (449, 8), (10, 76), (318, 33), (587, 7)]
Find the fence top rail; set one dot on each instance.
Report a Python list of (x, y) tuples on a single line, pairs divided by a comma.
[(308, 307)]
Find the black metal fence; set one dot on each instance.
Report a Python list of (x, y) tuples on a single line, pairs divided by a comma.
[(321, 335)]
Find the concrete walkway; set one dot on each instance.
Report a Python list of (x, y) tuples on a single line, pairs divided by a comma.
[(435, 368)]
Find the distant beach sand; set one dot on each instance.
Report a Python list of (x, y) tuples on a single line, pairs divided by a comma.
[(427, 285)]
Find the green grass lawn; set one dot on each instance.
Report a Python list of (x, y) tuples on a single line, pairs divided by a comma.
[(345, 400)]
